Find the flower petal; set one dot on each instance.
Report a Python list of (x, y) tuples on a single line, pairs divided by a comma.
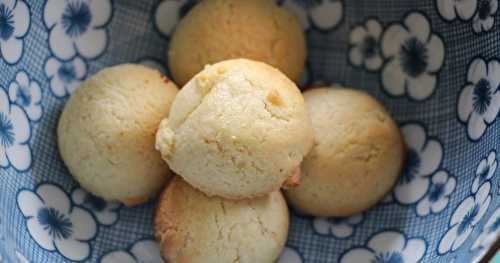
[(355, 56), (29, 203), (80, 67), (118, 257), (440, 177), (447, 9), (463, 208), (19, 156), (53, 11), (430, 157), (360, 255), (13, 88), (54, 197), (289, 256), (418, 26), (147, 251), (106, 217), (475, 184), (414, 136), (57, 87), (435, 48), (439, 205), (408, 193), (296, 9), (357, 35), (327, 15), (34, 112), (12, 49), (393, 78), (421, 88), (355, 219), (465, 103), (414, 250), (78, 196), (321, 225), (92, 43), (448, 240), (60, 43), (167, 16), (423, 206), (476, 126), (466, 9), (21, 19), (73, 249), (477, 71), (393, 39), (84, 226), (461, 238), (101, 12), (482, 210), (493, 6), (4, 162), (4, 102), (487, 24), (23, 79), (450, 186), (374, 28), (51, 67), (387, 242), (492, 112), (342, 230), (39, 234), (494, 74), (20, 123), (374, 63), (36, 92)]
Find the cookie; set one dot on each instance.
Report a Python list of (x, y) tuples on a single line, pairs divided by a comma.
[(106, 133), (217, 30), (238, 129), (193, 227), (357, 156)]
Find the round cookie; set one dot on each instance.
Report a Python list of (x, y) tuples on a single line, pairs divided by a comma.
[(217, 30), (238, 129), (357, 156), (106, 133), (192, 227)]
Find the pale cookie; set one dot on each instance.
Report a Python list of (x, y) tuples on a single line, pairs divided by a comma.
[(217, 30), (192, 227), (106, 133), (357, 156), (238, 129)]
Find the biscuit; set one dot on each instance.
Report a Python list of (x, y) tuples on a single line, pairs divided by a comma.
[(217, 30), (192, 227), (106, 133), (357, 156), (238, 129)]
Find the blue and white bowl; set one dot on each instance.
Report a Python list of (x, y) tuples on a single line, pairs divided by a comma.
[(434, 63)]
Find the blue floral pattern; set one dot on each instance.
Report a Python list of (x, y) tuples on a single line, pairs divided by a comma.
[(365, 45), (15, 133), (337, 227), (387, 247), (168, 13), (77, 27), (290, 255), (55, 224), (438, 195), (106, 213), (489, 234), (15, 20), (485, 170), (142, 251), (65, 77), (321, 14), (480, 12), (27, 94)]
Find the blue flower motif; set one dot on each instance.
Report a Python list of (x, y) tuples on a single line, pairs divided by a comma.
[(142, 251), (365, 45), (489, 234), (55, 224), (438, 196), (485, 170), (15, 132), (65, 77), (453, 9), (14, 24), (27, 94), (387, 247), (290, 255), (423, 159), (337, 227), (322, 14), (485, 16), (414, 58), (105, 212), (479, 101), (169, 12), (465, 218), (77, 27)]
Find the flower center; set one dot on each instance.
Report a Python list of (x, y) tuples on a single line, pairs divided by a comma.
[(481, 97), (94, 202), (58, 225), (6, 131), (412, 166), (484, 172), (388, 257), (414, 57), (6, 22), (369, 47), (468, 218), (66, 72), (76, 18), (23, 96), (484, 9), (495, 226), (436, 192)]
